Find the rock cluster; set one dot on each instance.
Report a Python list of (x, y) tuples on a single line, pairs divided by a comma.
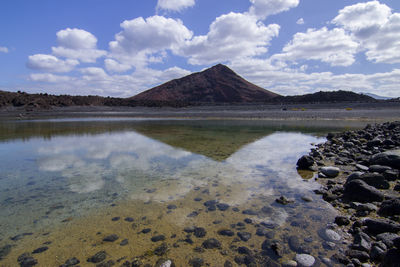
[(359, 171)]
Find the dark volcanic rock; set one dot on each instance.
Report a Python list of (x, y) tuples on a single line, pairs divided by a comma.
[(305, 162), (211, 243), (226, 232), (388, 158), (392, 258), (110, 238), (161, 250), (244, 236), (158, 238), (378, 226), (98, 257), (359, 190), (40, 250), (376, 180), (390, 207), (200, 232)]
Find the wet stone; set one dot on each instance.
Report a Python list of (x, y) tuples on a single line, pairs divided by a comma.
[(244, 250), (198, 199), (114, 219), (200, 232), (171, 207), (158, 238), (244, 236), (342, 220), (248, 221), (193, 214), (40, 250), (196, 262), (124, 242), (226, 232), (161, 250), (222, 206), (70, 262), (129, 219), (146, 230), (329, 235), (249, 212), (26, 261), (211, 243), (296, 246), (110, 238), (98, 257), (305, 260)]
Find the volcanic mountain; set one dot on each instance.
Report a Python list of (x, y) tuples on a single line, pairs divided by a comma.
[(218, 84)]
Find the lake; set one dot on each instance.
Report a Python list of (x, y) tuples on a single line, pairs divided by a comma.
[(69, 185)]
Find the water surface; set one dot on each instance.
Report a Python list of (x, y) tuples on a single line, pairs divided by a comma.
[(63, 181)]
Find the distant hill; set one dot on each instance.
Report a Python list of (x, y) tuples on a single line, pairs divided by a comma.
[(325, 97), (378, 97), (215, 85)]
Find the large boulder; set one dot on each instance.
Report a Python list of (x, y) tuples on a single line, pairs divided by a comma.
[(359, 190), (305, 162), (389, 158), (379, 226), (376, 180), (390, 207)]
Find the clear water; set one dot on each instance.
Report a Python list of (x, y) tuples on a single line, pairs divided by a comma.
[(62, 182)]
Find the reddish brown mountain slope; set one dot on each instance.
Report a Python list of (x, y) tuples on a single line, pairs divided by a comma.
[(218, 84)]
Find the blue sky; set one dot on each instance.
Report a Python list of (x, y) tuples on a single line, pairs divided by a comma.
[(122, 47)]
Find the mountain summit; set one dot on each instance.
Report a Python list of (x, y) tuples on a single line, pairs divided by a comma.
[(218, 84)]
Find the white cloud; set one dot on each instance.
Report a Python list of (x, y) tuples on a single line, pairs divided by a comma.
[(50, 63), (3, 49), (49, 78), (363, 19), (114, 66), (264, 8), (175, 5), (231, 36), (375, 27), (289, 81), (300, 21), (331, 46), (142, 40), (77, 44)]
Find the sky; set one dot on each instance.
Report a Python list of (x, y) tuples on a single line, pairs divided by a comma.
[(122, 47)]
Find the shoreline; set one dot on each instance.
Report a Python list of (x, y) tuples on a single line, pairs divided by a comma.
[(369, 112), (359, 176)]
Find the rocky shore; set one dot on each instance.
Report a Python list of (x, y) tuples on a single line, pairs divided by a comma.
[(359, 171)]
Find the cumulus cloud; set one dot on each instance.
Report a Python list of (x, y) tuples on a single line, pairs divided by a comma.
[(375, 27), (230, 36), (142, 39), (264, 8), (331, 46), (77, 44), (114, 66), (363, 19), (50, 63), (293, 81), (3, 49), (300, 21), (174, 5)]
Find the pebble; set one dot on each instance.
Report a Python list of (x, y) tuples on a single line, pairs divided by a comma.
[(98, 257), (196, 262), (114, 219), (124, 242), (226, 232), (171, 207), (110, 238), (146, 230), (158, 238), (305, 260), (244, 236), (40, 250), (211, 243), (161, 250), (129, 219)]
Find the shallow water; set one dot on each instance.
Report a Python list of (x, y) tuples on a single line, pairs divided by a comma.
[(62, 182)]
